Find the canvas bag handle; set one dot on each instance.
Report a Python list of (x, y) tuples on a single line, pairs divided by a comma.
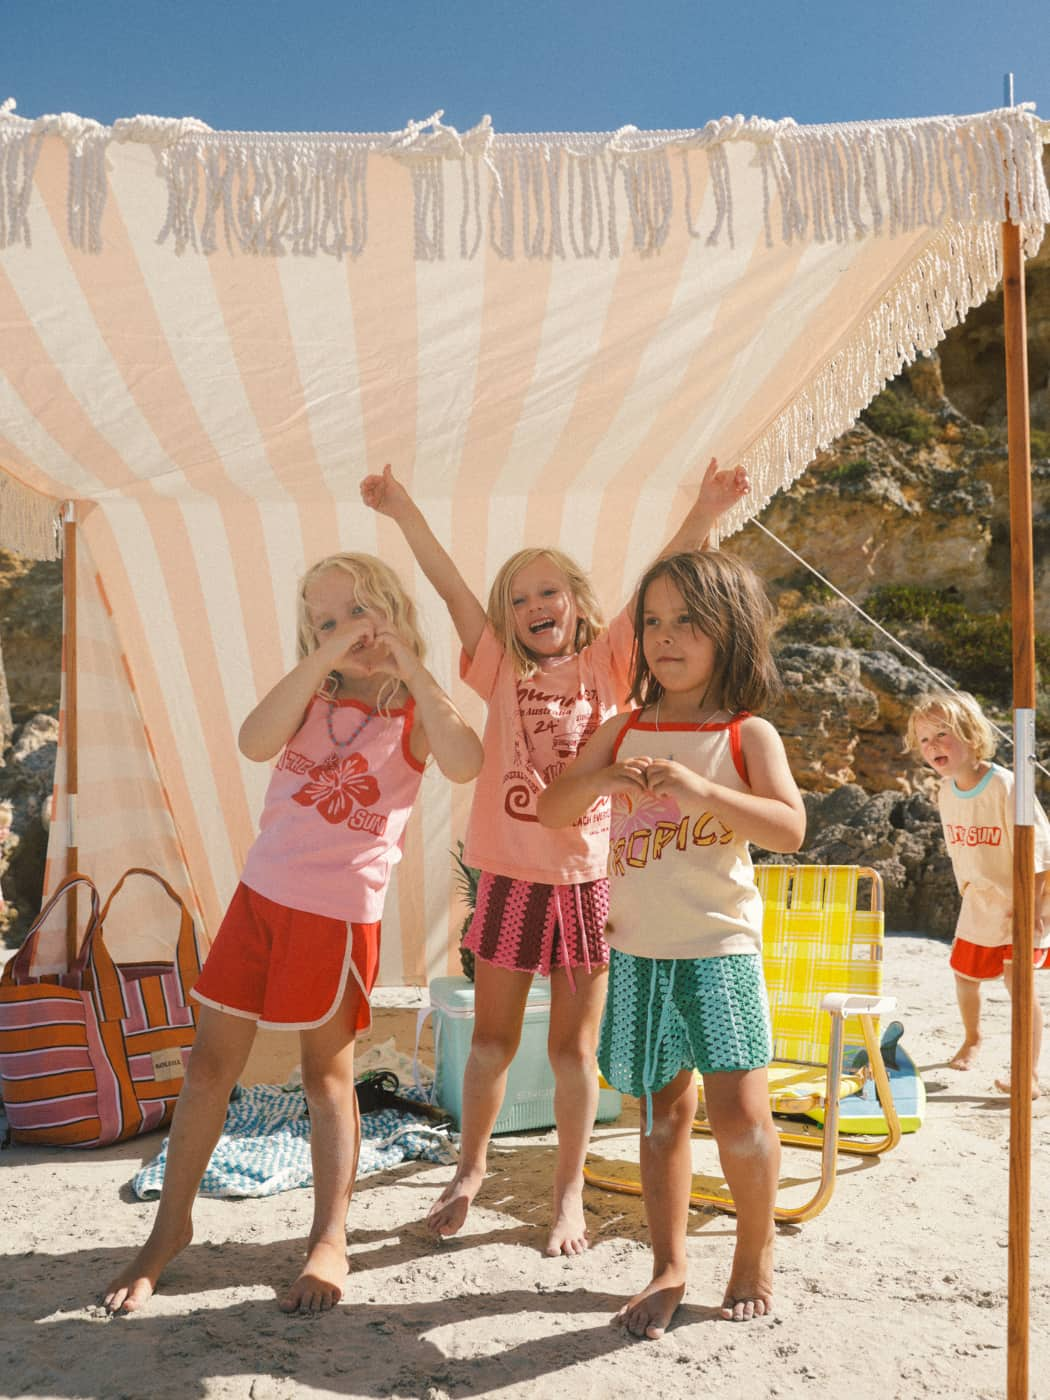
[(186, 948), (20, 968)]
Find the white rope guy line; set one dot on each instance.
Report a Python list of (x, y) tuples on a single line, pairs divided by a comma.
[(942, 684)]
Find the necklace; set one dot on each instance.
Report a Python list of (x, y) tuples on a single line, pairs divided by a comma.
[(702, 720), (345, 743)]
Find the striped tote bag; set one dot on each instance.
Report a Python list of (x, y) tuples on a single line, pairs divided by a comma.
[(97, 1053)]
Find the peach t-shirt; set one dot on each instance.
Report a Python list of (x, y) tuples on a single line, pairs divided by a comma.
[(534, 728)]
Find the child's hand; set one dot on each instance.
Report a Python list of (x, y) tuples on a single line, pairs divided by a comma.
[(627, 776), (342, 650), (721, 489), (390, 655), (664, 775), (385, 494)]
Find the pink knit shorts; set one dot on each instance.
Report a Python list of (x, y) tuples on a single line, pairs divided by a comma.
[(528, 927)]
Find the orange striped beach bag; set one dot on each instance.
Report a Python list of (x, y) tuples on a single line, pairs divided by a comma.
[(97, 1053)]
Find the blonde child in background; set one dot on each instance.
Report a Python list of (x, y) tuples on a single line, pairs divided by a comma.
[(549, 674), (354, 722), (693, 777), (976, 802)]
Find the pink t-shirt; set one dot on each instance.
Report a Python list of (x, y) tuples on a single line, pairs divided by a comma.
[(332, 823), (534, 728)]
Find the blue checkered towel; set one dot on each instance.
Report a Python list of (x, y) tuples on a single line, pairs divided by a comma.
[(265, 1145)]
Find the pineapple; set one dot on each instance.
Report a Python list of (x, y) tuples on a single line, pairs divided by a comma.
[(467, 878)]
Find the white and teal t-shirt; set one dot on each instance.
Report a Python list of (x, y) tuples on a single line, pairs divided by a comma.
[(979, 833)]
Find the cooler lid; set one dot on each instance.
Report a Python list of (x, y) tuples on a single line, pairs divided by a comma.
[(457, 993)]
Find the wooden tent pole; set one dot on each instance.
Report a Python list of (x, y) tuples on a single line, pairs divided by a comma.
[(69, 656), (1023, 612)]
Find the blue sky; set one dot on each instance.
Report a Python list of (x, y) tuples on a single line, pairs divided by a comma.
[(362, 65)]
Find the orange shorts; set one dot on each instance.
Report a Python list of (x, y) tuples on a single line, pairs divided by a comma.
[(979, 964), (285, 968)]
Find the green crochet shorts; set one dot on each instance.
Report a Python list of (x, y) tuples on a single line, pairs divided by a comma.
[(663, 1015)]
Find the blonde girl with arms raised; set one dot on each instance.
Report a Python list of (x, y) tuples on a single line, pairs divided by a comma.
[(549, 674), (353, 723), (976, 800), (694, 777)]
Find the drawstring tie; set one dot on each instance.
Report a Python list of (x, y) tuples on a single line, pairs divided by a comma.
[(556, 916), (652, 1042), (582, 928)]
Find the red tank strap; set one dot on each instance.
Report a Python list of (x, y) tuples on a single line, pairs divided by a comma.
[(629, 723), (736, 747)]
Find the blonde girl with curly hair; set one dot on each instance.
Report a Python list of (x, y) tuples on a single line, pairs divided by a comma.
[(351, 725)]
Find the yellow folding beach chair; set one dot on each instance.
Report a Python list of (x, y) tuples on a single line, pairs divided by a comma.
[(822, 955)]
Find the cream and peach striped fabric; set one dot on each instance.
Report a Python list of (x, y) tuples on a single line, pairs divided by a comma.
[(547, 337)]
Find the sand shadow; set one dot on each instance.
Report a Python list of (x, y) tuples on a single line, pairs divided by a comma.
[(366, 1349)]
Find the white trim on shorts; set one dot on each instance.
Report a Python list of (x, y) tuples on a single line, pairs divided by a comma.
[(348, 966)]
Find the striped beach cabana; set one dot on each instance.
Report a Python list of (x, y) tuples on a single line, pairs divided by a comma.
[(208, 337)]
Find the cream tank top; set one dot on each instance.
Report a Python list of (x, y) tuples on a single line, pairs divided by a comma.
[(681, 882)]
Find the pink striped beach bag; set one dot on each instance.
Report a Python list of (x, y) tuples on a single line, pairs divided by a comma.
[(97, 1053)]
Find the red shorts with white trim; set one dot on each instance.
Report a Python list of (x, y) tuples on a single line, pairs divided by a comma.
[(979, 964), (285, 968)]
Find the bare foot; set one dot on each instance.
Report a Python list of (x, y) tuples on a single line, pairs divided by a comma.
[(1003, 1085), (449, 1211), (749, 1292), (135, 1285), (569, 1231), (966, 1055), (648, 1313), (320, 1284)]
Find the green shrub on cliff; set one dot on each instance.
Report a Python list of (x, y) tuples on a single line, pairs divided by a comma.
[(891, 416), (849, 473), (974, 648)]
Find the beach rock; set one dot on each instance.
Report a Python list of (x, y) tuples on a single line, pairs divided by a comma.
[(899, 836), (31, 629), (824, 706), (26, 780)]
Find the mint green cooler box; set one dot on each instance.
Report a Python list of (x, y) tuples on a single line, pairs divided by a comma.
[(529, 1100)]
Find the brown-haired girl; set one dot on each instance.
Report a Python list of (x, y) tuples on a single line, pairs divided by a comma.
[(693, 777)]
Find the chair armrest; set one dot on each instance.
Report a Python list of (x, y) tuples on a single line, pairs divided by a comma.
[(856, 1004)]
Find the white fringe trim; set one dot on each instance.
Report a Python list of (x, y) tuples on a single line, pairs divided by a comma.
[(29, 522), (956, 273), (547, 195)]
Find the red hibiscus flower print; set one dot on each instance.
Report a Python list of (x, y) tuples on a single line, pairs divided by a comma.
[(336, 785), (633, 812)]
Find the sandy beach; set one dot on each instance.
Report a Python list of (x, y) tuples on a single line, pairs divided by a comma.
[(897, 1290)]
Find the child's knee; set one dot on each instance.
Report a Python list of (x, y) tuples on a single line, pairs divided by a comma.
[(572, 1057), (209, 1071), (748, 1138), (492, 1051), (672, 1118), (327, 1085), (667, 1128)]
